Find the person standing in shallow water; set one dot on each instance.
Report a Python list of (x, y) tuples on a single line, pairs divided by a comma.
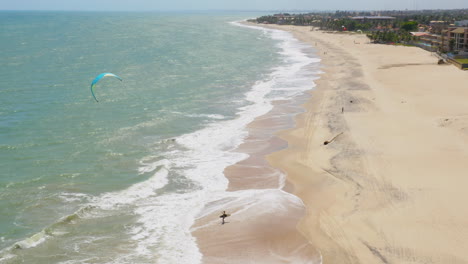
[(224, 215)]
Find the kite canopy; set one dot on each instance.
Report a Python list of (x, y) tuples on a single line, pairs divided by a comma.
[(99, 77)]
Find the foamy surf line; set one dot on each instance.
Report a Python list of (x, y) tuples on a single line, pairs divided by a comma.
[(164, 219), (248, 236)]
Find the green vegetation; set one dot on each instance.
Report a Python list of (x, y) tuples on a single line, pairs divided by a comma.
[(380, 26), (463, 61), (390, 36), (451, 44), (349, 24), (409, 26), (404, 44), (408, 20)]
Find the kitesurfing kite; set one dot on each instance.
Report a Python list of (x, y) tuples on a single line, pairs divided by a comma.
[(99, 77)]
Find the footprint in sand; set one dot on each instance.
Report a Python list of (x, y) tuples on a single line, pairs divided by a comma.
[(457, 123)]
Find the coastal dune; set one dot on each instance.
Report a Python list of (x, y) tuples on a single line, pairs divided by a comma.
[(392, 187)]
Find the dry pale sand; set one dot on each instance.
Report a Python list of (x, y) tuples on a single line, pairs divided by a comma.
[(393, 187)]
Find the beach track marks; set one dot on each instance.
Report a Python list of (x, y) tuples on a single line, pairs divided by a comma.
[(458, 123), (388, 66)]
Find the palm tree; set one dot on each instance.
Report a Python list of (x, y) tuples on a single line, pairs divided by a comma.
[(451, 44)]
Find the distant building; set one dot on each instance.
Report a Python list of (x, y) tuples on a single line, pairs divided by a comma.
[(419, 34), (284, 18), (459, 36), (422, 28), (438, 26), (373, 18), (462, 23), (431, 42)]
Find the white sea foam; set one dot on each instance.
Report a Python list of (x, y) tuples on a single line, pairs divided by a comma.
[(252, 202), (5, 257), (210, 116), (32, 241), (164, 220), (147, 165), (74, 197), (135, 193)]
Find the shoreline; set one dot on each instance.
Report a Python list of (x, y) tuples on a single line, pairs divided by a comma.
[(265, 213), (312, 167)]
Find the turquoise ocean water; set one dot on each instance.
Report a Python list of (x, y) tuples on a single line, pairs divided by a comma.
[(121, 181)]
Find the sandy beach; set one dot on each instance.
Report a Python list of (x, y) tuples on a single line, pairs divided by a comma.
[(390, 187)]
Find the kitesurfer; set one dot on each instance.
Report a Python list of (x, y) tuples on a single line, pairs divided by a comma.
[(224, 215)]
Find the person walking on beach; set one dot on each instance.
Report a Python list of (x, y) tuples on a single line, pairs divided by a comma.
[(224, 215)]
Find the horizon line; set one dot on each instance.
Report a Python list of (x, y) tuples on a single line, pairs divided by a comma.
[(224, 10)]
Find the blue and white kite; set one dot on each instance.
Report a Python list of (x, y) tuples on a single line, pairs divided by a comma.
[(99, 77)]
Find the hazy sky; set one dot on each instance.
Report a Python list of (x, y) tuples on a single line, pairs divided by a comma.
[(166, 5)]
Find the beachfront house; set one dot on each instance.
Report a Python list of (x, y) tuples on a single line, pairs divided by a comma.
[(427, 41), (455, 39), (436, 26), (284, 18), (431, 40), (373, 18), (462, 23)]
